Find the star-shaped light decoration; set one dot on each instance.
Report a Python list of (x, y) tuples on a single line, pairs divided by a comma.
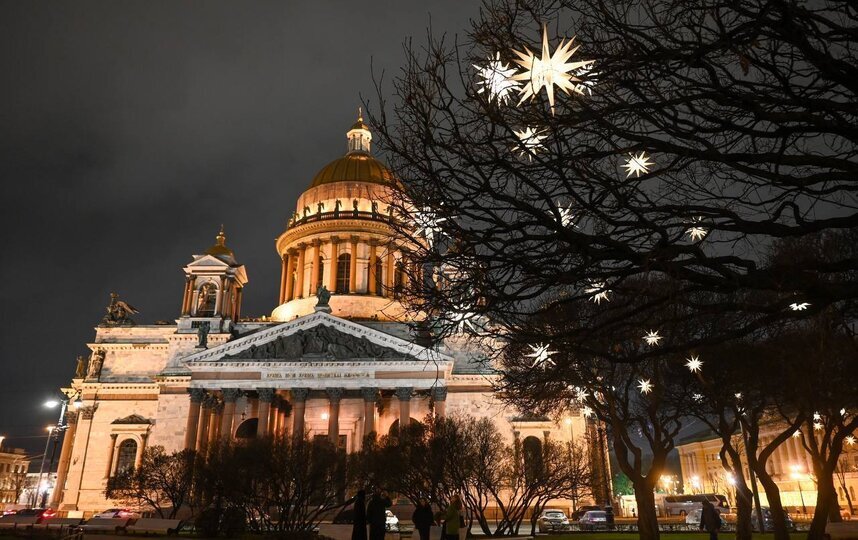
[(696, 232), (817, 417), (567, 218), (796, 434), (799, 306), (549, 70), (427, 223), (850, 440), (463, 320), (652, 338), (694, 364), (587, 412), (738, 395), (817, 426), (637, 164), (580, 393), (697, 397), (588, 80), (497, 80), (645, 386), (531, 141), (597, 291), (541, 356), (843, 412)]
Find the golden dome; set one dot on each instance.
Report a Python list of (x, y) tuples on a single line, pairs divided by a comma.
[(220, 248), (354, 167)]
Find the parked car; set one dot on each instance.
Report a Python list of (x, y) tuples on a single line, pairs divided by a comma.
[(117, 513), (693, 517), (12, 509), (767, 520), (577, 514), (40, 513), (594, 519), (391, 522), (552, 520)]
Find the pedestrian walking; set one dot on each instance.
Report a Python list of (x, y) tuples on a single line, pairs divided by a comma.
[(423, 519), (710, 520), (359, 520), (376, 514), (453, 518)]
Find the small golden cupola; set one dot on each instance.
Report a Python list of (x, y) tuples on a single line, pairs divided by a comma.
[(214, 286), (340, 237)]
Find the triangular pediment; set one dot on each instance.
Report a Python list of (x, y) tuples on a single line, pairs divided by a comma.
[(132, 419), (318, 337), (207, 261)]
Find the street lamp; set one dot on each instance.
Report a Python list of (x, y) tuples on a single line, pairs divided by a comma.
[(76, 401), (797, 475)]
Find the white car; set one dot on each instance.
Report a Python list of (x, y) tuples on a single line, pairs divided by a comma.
[(391, 522), (117, 513), (553, 520), (693, 516)]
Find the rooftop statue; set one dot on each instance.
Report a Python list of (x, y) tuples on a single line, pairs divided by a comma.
[(118, 312)]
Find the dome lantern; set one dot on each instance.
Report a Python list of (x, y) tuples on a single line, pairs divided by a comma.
[(359, 136)]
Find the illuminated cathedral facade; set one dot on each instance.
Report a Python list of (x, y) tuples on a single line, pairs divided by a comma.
[(344, 367)]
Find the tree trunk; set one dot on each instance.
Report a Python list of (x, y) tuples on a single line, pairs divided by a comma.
[(744, 507), (647, 516), (826, 507), (776, 508)]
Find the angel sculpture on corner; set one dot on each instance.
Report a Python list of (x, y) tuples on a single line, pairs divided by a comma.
[(118, 312)]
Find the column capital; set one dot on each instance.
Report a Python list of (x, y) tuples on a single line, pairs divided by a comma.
[(217, 406), (230, 395), (88, 412), (403, 393), (266, 395), (71, 417), (208, 401), (114, 436), (335, 394), (439, 393), (369, 393), (300, 394), (335, 239), (197, 394), (354, 239)]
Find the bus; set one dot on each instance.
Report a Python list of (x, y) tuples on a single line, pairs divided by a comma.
[(682, 505)]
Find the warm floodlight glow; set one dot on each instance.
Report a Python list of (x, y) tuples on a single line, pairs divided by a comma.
[(51, 403), (549, 70)]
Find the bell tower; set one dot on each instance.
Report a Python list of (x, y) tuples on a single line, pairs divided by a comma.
[(214, 283)]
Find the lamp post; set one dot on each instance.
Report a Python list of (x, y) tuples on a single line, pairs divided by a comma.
[(796, 474), (75, 399)]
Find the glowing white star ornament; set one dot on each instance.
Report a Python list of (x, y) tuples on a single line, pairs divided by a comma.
[(817, 417), (549, 70), (850, 440), (637, 165), (645, 386), (796, 434), (541, 356), (817, 426), (652, 338), (697, 397), (696, 232), (694, 364), (531, 141), (597, 292), (587, 412), (427, 223), (567, 219), (463, 320), (796, 306), (497, 79)]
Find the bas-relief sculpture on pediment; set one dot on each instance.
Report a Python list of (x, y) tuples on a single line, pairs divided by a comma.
[(318, 342)]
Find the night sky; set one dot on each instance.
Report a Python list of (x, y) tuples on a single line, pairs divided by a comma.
[(129, 131)]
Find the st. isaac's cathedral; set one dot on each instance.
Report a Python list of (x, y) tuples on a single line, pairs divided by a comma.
[(343, 366)]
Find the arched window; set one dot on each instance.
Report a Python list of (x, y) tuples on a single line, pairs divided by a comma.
[(531, 449), (379, 283), (344, 262), (126, 455), (206, 300), (247, 429), (398, 280), (320, 274)]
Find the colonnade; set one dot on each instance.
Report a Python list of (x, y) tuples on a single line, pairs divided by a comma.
[(212, 413), (300, 266)]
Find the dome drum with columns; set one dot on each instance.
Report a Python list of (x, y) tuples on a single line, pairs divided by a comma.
[(340, 237), (349, 373)]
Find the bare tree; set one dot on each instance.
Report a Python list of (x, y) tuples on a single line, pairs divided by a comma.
[(162, 482)]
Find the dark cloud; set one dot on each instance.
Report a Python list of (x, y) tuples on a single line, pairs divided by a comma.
[(130, 130)]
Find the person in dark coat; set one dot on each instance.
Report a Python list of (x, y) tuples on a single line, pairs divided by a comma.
[(359, 520), (423, 519), (710, 520), (376, 514)]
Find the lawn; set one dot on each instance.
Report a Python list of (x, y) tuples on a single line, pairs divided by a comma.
[(668, 535)]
